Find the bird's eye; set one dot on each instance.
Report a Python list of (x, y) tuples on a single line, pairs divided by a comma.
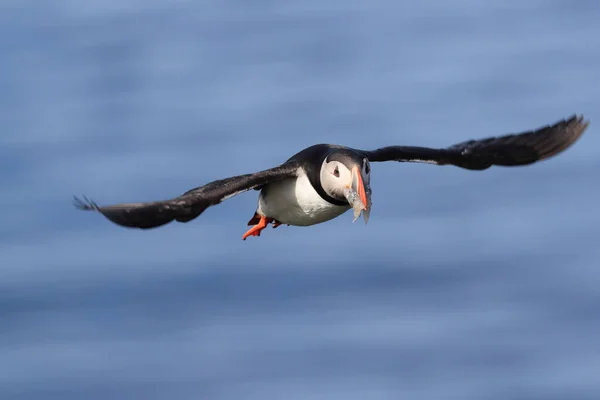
[(367, 169), (336, 172)]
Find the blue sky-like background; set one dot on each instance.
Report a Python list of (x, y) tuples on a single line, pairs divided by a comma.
[(464, 285)]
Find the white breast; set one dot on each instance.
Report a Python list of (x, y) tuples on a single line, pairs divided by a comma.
[(295, 202)]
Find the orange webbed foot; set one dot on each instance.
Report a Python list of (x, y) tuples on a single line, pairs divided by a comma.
[(256, 229)]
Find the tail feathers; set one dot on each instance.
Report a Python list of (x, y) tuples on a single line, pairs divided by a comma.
[(255, 219)]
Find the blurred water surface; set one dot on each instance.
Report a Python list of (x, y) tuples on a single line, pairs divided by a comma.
[(464, 285)]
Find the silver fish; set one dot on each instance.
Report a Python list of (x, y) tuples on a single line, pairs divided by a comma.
[(356, 204)]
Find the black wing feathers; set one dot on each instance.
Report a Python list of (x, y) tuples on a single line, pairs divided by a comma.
[(509, 150), (190, 204)]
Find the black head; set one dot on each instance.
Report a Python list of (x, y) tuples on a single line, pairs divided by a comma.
[(332, 168), (345, 168)]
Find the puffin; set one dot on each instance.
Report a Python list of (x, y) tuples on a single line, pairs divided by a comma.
[(323, 181)]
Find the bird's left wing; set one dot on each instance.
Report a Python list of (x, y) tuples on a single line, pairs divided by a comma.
[(509, 150), (189, 205)]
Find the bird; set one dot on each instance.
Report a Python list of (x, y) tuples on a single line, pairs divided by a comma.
[(323, 181)]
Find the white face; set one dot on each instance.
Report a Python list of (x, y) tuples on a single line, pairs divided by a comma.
[(335, 177)]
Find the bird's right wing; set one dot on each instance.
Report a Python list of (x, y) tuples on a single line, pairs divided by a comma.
[(189, 205), (509, 150)]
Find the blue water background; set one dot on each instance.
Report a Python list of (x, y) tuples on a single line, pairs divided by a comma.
[(464, 285)]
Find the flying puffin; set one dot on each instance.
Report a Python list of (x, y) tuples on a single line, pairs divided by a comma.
[(324, 181)]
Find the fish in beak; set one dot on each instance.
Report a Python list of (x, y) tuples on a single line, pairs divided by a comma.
[(359, 195)]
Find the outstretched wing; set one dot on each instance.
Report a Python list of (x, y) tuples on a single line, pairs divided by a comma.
[(508, 150), (190, 204)]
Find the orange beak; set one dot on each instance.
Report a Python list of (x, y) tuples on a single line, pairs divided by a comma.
[(359, 186)]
